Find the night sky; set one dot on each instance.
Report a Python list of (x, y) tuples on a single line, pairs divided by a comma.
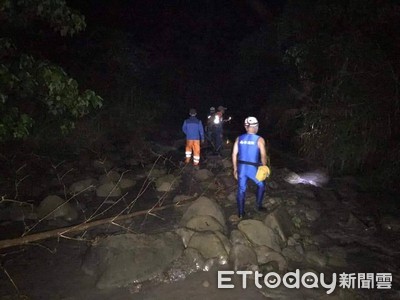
[(198, 41)]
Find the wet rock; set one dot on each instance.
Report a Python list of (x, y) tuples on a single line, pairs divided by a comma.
[(227, 164), (155, 172), (126, 184), (203, 175), (336, 257), (225, 241), (354, 223), (242, 257), (234, 219), (267, 255), (210, 186), (259, 234), (273, 185), (296, 236), (291, 201), (297, 221), (279, 220), (86, 185), (186, 234), (53, 207), (299, 249), (232, 197), (228, 181), (272, 203), (237, 237), (194, 258), (312, 215), (316, 257), (18, 212), (110, 176), (291, 254), (167, 183), (291, 241), (108, 190), (208, 244), (120, 260), (204, 206), (204, 223), (209, 263), (181, 198)]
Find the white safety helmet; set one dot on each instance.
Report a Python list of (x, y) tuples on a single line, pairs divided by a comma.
[(212, 109), (251, 122)]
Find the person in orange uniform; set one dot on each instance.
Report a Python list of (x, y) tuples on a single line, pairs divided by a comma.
[(194, 131)]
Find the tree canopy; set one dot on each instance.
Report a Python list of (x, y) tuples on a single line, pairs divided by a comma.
[(346, 57), (35, 92)]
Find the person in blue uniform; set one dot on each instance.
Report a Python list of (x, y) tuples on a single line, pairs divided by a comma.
[(248, 154), (194, 131)]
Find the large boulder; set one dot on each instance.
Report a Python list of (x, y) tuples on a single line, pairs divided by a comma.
[(266, 255), (291, 254), (204, 206), (203, 175), (83, 186), (185, 234), (194, 258), (53, 207), (237, 237), (109, 189), (155, 172), (225, 241), (110, 176), (167, 183), (280, 221), (18, 211), (208, 244), (242, 257), (228, 182), (204, 223), (120, 260), (259, 234), (126, 183)]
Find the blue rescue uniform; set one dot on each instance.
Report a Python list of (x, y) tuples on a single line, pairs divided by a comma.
[(248, 163), (193, 128)]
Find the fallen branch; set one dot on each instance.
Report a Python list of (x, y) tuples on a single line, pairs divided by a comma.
[(76, 228)]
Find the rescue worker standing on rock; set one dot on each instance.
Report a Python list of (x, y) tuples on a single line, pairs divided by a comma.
[(210, 123), (248, 155), (218, 128), (194, 131)]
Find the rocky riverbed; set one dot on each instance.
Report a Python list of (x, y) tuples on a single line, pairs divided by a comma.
[(176, 252)]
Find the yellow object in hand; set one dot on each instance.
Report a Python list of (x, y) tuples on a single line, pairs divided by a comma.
[(263, 173)]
